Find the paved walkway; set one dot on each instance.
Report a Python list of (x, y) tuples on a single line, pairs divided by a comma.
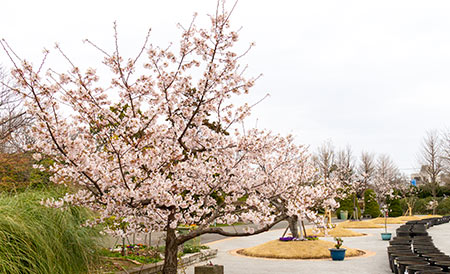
[(441, 237), (377, 263)]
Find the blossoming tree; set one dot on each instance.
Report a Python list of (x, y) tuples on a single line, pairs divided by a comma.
[(297, 187), (158, 149), (385, 179)]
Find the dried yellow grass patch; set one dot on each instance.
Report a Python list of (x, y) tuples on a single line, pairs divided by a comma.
[(415, 218), (431, 216), (359, 224), (408, 218), (295, 250), (390, 220), (336, 232)]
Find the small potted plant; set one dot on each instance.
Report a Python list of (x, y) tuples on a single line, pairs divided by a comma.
[(386, 236), (338, 253)]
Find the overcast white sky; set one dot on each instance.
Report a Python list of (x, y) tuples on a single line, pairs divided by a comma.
[(371, 74)]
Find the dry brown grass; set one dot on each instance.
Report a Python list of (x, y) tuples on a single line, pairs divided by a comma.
[(336, 232), (415, 218), (430, 216), (359, 224), (390, 220), (295, 250), (408, 218)]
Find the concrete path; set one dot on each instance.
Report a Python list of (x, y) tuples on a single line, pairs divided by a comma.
[(375, 263), (441, 237)]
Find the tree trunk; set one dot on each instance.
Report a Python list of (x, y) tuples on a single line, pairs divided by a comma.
[(328, 217), (170, 254), (123, 252), (434, 189), (293, 227), (300, 222), (304, 229), (409, 210), (355, 208)]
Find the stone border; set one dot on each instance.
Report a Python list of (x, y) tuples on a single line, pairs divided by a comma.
[(186, 260)]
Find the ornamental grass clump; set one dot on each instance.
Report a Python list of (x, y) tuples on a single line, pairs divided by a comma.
[(38, 239)]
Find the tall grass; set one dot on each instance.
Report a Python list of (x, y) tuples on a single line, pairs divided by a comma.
[(37, 239)]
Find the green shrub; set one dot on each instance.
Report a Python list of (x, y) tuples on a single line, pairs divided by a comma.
[(420, 207), (371, 206), (38, 239), (17, 172), (347, 204), (403, 205), (444, 207), (142, 256), (193, 248), (395, 208)]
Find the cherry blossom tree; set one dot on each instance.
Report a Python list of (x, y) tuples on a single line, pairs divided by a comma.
[(363, 177), (159, 149), (297, 188), (324, 161), (386, 179)]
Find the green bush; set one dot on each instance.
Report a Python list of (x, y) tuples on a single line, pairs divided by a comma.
[(403, 205), (395, 208), (347, 204), (444, 207), (17, 172), (421, 205), (38, 239), (193, 248), (371, 206)]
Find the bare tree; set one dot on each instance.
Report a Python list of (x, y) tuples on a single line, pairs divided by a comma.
[(345, 169), (366, 169), (446, 149), (14, 122), (324, 159), (431, 159), (385, 179), (365, 173)]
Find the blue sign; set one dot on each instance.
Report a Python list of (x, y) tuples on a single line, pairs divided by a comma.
[(413, 182)]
